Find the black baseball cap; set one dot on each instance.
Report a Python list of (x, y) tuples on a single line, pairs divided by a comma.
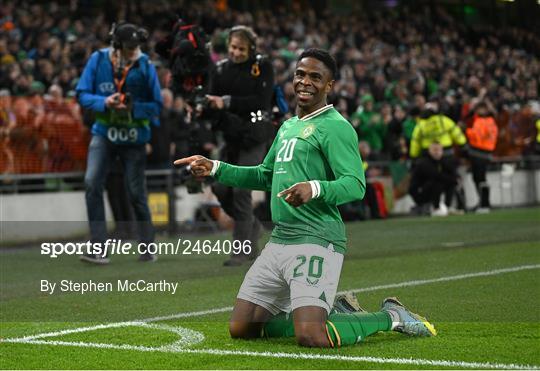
[(128, 36)]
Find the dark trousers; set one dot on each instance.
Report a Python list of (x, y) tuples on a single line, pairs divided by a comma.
[(429, 192), (118, 197), (101, 154), (450, 163), (236, 201), (479, 167)]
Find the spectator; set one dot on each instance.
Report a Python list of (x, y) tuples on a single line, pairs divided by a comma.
[(370, 125), (430, 178), (396, 143), (395, 61)]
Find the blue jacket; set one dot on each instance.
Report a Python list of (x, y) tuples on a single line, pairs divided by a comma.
[(127, 126)]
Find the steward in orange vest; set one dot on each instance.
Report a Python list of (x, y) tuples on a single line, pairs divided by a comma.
[(483, 133), (482, 138)]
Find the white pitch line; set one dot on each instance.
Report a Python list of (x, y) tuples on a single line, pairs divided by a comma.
[(74, 331), (445, 279), (120, 324), (188, 314), (307, 356), (227, 309)]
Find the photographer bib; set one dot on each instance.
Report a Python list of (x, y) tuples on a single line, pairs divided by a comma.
[(118, 124), (120, 128)]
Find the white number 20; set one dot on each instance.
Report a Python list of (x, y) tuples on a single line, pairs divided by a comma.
[(286, 150)]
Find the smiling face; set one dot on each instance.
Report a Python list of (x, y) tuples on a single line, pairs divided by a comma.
[(238, 49), (312, 82)]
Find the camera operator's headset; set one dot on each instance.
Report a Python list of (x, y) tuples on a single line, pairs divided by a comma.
[(251, 36), (120, 74), (141, 34)]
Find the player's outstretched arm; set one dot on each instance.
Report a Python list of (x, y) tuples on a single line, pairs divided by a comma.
[(200, 165), (249, 177)]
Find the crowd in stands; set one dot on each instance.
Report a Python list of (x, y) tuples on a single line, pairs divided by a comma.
[(391, 61)]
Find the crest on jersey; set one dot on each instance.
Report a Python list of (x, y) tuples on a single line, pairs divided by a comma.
[(308, 130)]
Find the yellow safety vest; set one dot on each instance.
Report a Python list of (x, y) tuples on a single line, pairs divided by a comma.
[(436, 128)]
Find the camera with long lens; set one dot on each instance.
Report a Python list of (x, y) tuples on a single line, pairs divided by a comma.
[(185, 48)]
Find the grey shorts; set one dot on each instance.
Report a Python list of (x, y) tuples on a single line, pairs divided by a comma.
[(286, 277)]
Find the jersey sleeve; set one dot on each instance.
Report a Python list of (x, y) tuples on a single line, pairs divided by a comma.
[(251, 177), (339, 145)]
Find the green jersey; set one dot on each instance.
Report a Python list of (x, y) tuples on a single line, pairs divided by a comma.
[(321, 147)]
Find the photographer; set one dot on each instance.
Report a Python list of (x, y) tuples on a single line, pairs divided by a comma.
[(120, 85), (240, 92)]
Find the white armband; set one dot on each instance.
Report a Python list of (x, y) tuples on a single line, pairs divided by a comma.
[(215, 167), (315, 188)]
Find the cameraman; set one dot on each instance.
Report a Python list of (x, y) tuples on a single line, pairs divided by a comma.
[(120, 85), (240, 89)]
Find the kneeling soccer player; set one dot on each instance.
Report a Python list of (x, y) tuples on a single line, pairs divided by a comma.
[(312, 166)]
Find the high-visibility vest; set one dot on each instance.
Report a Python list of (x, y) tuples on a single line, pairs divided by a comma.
[(483, 133), (436, 128), (538, 131)]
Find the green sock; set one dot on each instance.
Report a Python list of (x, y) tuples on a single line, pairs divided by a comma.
[(343, 328), (281, 325), (351, 328)]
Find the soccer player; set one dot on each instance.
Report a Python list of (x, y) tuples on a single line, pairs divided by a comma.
[(312, 166)]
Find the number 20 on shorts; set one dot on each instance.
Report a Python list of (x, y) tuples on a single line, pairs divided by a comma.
[(315, 266)]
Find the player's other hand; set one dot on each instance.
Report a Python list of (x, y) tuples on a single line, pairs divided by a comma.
[(200, 166), (298, 194)]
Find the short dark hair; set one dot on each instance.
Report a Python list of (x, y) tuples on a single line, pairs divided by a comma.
[(323, 56)]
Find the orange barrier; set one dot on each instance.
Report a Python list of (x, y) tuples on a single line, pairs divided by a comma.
[(41, 135)]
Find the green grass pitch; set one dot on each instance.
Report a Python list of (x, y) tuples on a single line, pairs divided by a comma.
[(476, 277)]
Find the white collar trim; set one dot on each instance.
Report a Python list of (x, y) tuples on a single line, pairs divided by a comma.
[(317, 112)]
